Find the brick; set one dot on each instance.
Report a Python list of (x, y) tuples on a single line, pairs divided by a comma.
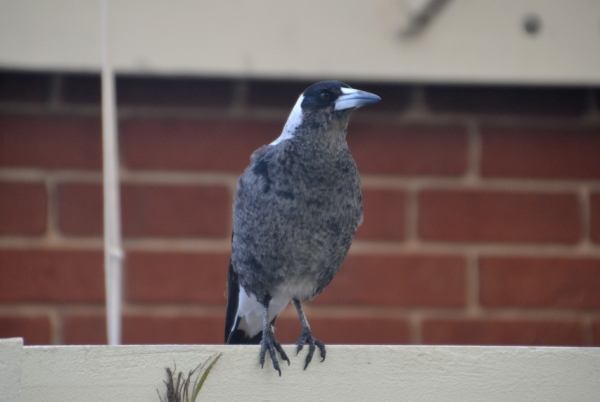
[(346, 331), (525, 100), (176, 277), (148, 210), (595, 217), (44, 276), (24, 87), (540, 282), (80, 209), (176, 92), (408, 150), (156, 329), (23, 207), (81, 88), (502, 332), (35, 330), (207, 145), (398, 281), (384, 213), (486, 216), (176, 211), (79, 329), (540, 153), (53, 142), (146, 329)]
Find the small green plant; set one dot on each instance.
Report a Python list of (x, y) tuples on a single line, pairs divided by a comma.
[(178, 386)]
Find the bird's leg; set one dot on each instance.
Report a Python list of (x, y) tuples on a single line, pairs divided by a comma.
[(268, 340), (307, 337)]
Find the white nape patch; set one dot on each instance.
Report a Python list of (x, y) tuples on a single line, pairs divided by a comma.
[(292, 123)]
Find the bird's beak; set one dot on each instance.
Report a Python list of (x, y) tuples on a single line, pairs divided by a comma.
[(354, 98)]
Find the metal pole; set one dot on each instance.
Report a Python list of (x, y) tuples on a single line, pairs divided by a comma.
[(113, 252)]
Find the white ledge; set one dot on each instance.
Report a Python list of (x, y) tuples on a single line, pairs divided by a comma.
[(350, 373)]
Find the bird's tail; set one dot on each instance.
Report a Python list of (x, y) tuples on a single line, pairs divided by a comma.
[(233, 335), (233, 293)]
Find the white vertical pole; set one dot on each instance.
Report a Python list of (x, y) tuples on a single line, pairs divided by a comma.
[(113, 252)]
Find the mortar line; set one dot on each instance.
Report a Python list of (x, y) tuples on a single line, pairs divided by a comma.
[(593, 112), (473, 308), (170, 310), (588, 331), (417, 107), (585, 214), (368, 181), (56, 86), (502, 314), (496, 249), (240, 96), (416, 113), (56, 330), (474, 151), (359, 247), (477, 184), (575, 314), (53, 224), (415, 327), (412, 215)]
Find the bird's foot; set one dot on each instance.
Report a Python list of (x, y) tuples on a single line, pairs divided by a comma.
[(308, 338), (270, 343)]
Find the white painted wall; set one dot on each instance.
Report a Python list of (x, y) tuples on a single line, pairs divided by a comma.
[(350, 373), (11, 358), (470, 41)]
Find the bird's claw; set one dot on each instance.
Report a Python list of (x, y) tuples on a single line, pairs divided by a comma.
[(269, 342), (308, 338)]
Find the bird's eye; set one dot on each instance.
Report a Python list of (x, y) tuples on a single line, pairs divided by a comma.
[(325, 96)]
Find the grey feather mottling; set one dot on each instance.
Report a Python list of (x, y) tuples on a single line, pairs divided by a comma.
[(296, 210)]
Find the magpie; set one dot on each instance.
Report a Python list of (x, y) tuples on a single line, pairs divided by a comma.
[(295, 212)]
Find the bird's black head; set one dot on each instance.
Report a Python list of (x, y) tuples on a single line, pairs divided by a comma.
[(335, 95), (322, 94), (323, 107)]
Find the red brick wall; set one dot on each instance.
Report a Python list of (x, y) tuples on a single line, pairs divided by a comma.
[(482, 211)]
